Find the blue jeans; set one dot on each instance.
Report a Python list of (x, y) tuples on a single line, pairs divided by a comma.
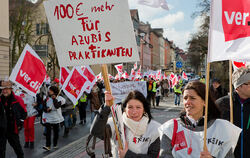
[(93, 114), (177, 99), (67, 121)]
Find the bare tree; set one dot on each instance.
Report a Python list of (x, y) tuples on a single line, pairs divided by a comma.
[(20, 27)]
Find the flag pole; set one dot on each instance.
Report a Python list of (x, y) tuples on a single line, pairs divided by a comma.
[(206, 107), (108, 88), (231, 91)]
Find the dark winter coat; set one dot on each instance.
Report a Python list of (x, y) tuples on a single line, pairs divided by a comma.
[(224, 104), (12, 113)]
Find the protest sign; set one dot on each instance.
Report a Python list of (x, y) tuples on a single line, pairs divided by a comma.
[(29, 73), (120, 90), (91, 31)]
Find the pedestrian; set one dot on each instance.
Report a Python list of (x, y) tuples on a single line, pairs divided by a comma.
[(165, 87), (83, 102), (52, 116), (158, 94), (153, 92), (67, 112), (216, 89), (177, 94), (95, 101), (149, 89), (29, 122), (183, 137), (142, 137), (12, 114), (241, 109)]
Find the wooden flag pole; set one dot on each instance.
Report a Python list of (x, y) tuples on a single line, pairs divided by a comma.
[(206, 107), (231, 91), (108, 88)]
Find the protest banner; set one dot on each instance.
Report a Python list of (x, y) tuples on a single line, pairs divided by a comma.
[(64, 73), (83, 34), (120, 90), (29, 73), (91, 32), (75, 84)]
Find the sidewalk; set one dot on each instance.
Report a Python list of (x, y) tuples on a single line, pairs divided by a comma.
[(77, 149)]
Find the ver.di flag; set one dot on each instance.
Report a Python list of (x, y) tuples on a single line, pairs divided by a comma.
[(229, 30), (64, 73), (75, 84), (29, 73), (90, 75), (237, 65)]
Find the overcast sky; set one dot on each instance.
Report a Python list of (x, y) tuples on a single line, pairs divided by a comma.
[(177, 23)]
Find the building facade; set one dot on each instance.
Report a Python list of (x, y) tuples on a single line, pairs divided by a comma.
[(4, 39)]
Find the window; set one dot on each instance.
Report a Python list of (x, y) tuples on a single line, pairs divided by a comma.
[(42, 28)]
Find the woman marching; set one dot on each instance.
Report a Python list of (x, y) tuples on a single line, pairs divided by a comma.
[(141, 134), (183, 137)]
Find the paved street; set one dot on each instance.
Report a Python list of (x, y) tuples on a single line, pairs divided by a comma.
[(74, 145)]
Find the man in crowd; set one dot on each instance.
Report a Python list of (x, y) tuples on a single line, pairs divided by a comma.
[(241, 110), (12, 114), (216, 89), (177, 94)]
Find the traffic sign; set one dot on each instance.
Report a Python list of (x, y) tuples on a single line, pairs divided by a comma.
[(179, 64)]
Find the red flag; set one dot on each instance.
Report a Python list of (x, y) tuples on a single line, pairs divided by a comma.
[(237, 65), (174, 81), (125, 75), (132, 74), (64, 73), (99, 76), (89, 74), (184, 76), (111, 77), (117, 77), (171, 76), (75, 85), (119, 68), (135, 66), (138, 75), (29, 72), (158, 76)]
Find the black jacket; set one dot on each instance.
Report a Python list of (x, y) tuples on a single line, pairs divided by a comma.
[(12, 113), (224, 105)]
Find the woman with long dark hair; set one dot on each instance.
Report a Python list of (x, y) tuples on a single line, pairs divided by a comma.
[(183, 137), (141, 132)]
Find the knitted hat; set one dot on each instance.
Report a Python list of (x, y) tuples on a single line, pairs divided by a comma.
[(241, 76)]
